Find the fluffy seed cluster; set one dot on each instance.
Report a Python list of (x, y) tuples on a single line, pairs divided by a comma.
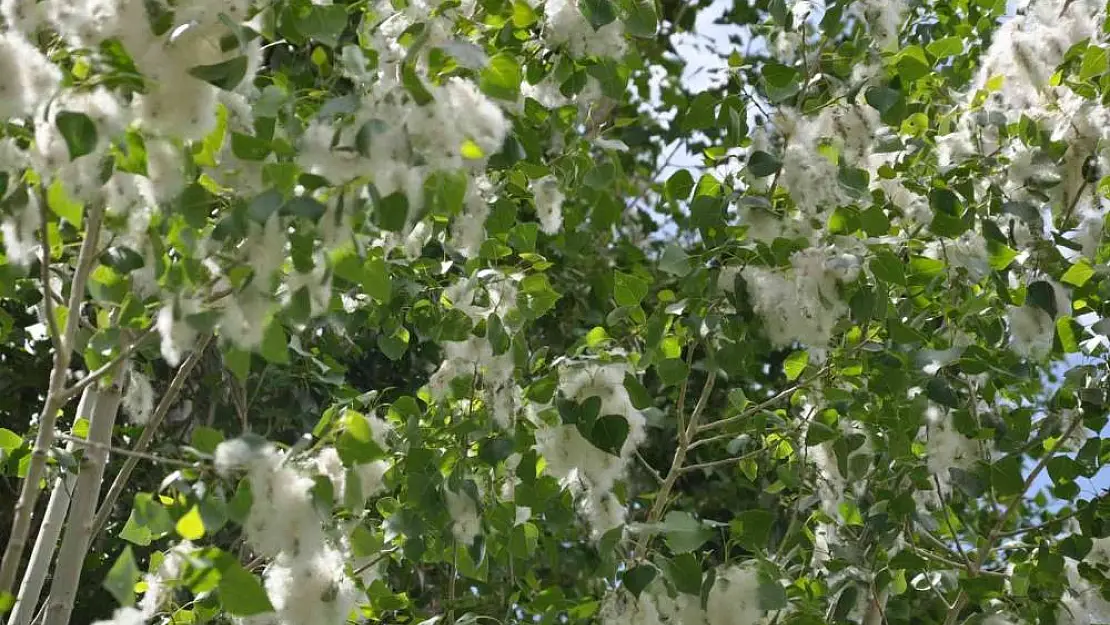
[(306, 579), (801, 304), (579, 465), (485, 294)]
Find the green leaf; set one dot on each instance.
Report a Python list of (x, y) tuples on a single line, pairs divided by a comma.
[(9, 440), (946, 47), (629, 290), (1001, 255), (265, 204), (1066, 332), (226, 75), (882, 99), (275, 344), (672, 371), (377, 281), (609, 433), (637, 578), (1006, 477), (393, 212), (596, 336), (78, 131), (637, 393), (356, 444), (598, 12), (63, 205), (762, 164), (1041, 295), (912, 64), (772, 596), (249, 147), (190, 526), (501, 78), (795, 364), (414, 85), (887, 267), (324, 23), (641, 20), (122, 577), (238, 361), (395, 344), (683, 533), (752, 528), (1095, 62), (1078, 274), (206, 439), (679, 185), (781, 81), (684, 571), (675, 261), (241, 593)]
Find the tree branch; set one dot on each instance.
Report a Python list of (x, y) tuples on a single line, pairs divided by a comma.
[(29, 492), (685, 436), (995, 532), (101, 371), (140, 446)]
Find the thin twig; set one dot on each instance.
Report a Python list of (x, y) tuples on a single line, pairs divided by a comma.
[(125, 452), (685, 435), (650, 469), (724, 461), (168, 399), (995, 532), (44, 273), (103, 370), (763, 404)]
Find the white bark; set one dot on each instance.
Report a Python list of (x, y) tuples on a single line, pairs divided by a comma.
[(86, 493), (46, 543), (55, 398)]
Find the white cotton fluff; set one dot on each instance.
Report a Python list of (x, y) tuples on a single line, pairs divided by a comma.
[(417, 238), (1082, 603), (466, 525), (549, 203), (565, 24), (831, 483), (244, 316), (20, 233), (734, 598), (800, 304), (580, 466), (947, 448), (160, 584), (138, 399), (884, 19), (177, 335), (24, 16), (125, 616), (183, 107), (968, 252), (265, 249), (165, 168), (654, 606), (239, 454), (27, 77), (1031, 331), (311, 588), (283, 517), (468, 231)]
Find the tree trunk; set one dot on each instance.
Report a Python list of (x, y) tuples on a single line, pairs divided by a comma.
[(86, 493), (46, 543)]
